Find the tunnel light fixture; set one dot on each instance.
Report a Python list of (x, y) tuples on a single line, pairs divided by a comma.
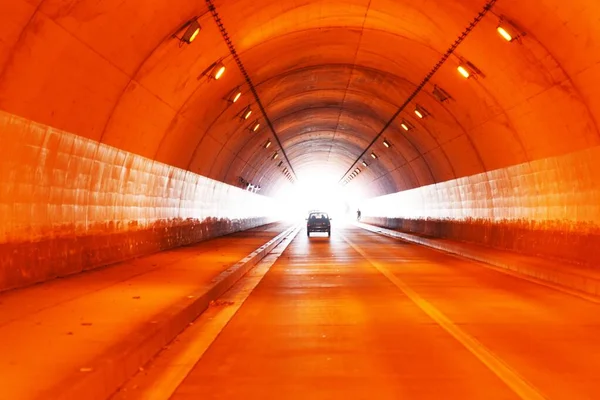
[(467, 70), (214, 71), (364, 163), (234, 95), (386, 144), (508, 30), (421, 112), (357, 170), (280, 164), (374, 156), (268, 144), (254, 127), (245, 113), (192, 29), (274, 157), (218, 71), (440, 94), (464, 71), (406, 125)]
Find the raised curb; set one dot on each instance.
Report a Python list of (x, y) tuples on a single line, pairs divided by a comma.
[(573, 281), (110, 371)]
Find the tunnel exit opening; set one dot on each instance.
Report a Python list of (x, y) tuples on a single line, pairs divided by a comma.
[(320, 190)]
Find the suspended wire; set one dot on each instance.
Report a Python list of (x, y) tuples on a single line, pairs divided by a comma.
[(488, 6), (236, 57)]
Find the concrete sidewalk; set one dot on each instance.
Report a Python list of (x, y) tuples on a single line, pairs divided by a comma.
[(84, 335), (582, 280)]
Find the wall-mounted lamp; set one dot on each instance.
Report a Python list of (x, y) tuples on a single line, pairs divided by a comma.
[(421, 112), (280, 164), (254, 127), (357, 170), (192, 29), (386, 144), (467, 70), (364, 163), (268, 144), (275, 156), (234, 95), (440, 94), (214, 71), (406, 125), (374, 156), (508, 30), (245, 113)]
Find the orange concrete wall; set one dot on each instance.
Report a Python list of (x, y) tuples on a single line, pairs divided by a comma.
[(547, 207), (68, 204)]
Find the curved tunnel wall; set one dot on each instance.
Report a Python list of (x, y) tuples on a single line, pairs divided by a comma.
[(69, 204), (330, 73)]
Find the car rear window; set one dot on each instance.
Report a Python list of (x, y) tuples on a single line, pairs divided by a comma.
[(318, 216)]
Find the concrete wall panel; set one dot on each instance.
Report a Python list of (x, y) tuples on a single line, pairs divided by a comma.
[(69, 204)]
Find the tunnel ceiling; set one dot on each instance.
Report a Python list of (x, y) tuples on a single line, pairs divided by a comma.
[(329, 74)]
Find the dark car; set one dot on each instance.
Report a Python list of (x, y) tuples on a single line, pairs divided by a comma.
[(318, 222)]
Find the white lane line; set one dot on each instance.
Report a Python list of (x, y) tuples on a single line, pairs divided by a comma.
[(168, 370), (510, 377)]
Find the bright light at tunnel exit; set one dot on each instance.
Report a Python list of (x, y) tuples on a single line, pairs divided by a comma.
[(319, 191)]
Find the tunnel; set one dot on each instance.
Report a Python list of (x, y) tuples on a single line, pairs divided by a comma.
[(159, 159)]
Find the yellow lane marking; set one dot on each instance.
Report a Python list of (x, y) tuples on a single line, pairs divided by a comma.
[(170, 368), (511, 378)]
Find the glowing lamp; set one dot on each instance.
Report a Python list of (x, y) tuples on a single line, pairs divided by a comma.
[(421, 112), (504, 33), (246, 113), (268, 144), (374, 156), (218, 71), (365, 164), (191, 32), (275, 156), (463, 71), (386, 143)]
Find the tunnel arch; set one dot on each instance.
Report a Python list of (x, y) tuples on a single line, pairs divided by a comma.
[(330, 74)]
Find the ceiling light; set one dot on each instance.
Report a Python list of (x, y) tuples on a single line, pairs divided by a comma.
[(463, 71), (364, 163), (191, 32), (254, 127), (508, 30), (504, 33), (357, 170), (440, 94), (245, 113), (467, 70), (218, 70), (374, 156), (268, 144), (386, 143), (420, 112), (275, 156), (234, 95), (406, 125)]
